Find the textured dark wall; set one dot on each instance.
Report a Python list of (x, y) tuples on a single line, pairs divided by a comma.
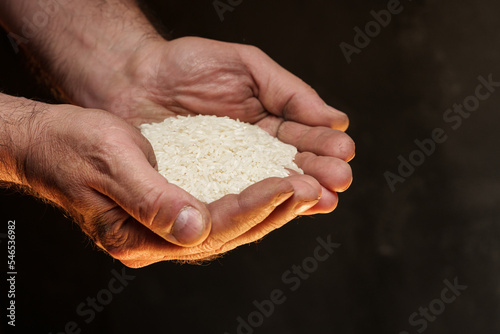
[(397, 247)]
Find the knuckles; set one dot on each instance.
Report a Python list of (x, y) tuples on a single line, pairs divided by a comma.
[(111, 232), (155, 209)]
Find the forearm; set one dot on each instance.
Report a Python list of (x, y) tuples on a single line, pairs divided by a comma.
[(85, 46), (18, 118)]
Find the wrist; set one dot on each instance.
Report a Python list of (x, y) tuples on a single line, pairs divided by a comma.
[(105, 76), (119, 88), (89, 49), (102, 58), (19, 131)]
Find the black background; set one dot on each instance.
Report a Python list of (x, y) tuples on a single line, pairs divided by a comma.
[(397, 247)]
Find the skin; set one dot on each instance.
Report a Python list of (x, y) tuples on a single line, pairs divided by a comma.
[(89, 158)]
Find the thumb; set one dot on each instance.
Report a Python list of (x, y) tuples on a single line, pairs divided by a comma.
[(162, 207)]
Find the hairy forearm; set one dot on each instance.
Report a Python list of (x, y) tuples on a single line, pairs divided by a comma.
[(85, 46), (18, 117)]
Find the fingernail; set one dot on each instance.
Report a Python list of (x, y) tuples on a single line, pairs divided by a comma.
[(304, 206), (189, 226)]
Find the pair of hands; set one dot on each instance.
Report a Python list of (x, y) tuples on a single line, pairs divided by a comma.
[(97, 166)]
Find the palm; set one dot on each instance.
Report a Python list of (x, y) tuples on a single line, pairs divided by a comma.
[(211, 80)]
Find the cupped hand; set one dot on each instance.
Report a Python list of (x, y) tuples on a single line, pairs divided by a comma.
[(190, 76), (101, 170)]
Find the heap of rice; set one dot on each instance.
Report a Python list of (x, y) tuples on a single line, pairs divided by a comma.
[(210, 156)]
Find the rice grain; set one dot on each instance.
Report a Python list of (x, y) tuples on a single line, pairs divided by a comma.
[(210, 156)]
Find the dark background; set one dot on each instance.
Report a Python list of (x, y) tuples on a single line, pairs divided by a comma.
[(397, 248)]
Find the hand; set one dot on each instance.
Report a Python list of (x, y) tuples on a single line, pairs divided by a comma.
[(129, 70), (191, 76), (100, 169), (198, 76)]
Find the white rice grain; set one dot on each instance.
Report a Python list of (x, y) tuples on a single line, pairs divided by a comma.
[(210, 156)]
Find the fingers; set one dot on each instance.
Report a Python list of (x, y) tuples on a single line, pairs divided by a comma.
[(318, 140), (142, 192), (233, 215), (328, 199), (326, 204), (333, 173), (307, 194), (129, 241), (285, 95), (237, 219), (233, 227)]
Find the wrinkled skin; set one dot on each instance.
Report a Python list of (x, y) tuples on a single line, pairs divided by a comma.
[(99, 168)]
